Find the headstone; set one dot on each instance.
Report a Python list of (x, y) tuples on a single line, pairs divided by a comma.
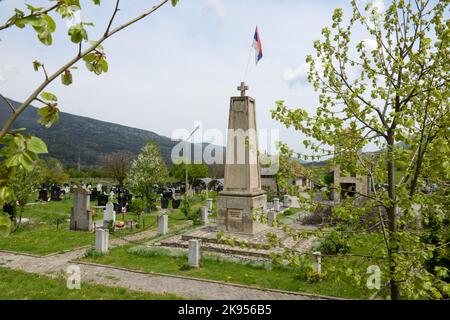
[(165, 203), (286, 203), (43, 195), (94, 194), (318, 263), (102, 200), (276, 204), (9, 209), (163, 224), (101, 240), (194, 253), (55, 193), (209, 203), (109, 214), (176, 203), (242, 196), (271, 217), (99, 187), (80, 218), (204, 215)]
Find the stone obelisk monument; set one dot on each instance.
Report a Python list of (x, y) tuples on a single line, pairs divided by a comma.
[(242, 196)]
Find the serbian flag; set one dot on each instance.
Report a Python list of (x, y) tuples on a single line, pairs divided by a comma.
[(257, 46)]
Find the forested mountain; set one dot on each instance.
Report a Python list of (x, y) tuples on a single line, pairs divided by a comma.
[(75, 136)]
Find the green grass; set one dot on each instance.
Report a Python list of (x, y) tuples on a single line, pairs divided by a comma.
[(289, 216), (19, 285), (333, 284), (41, 236)]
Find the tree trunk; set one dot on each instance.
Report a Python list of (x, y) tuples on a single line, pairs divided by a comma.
[(391, 212)]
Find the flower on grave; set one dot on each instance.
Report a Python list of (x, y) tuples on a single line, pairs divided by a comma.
[(120, 224)]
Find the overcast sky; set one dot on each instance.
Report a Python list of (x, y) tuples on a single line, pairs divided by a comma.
[(179, 65)]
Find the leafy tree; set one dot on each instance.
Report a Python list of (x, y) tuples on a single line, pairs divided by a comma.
[(395, 96), (147, 170), (18, 149), (52, 171), (288, 169), (195, 171), (118, 165), (25, 183)]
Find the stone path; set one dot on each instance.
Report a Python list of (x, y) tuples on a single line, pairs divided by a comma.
[(56, 266)]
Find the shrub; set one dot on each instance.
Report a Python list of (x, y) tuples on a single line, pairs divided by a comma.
[(314, 276), (92, 253), (138, 205), (335, 242), (269, 192), (185, 267)]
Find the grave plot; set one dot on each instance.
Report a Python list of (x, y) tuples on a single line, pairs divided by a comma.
[(257, 245)]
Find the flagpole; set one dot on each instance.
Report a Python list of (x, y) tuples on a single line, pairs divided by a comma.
[(248, 63)]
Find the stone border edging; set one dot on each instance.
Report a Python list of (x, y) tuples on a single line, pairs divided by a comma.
[(22, 253), (312, 295), (52, 254)]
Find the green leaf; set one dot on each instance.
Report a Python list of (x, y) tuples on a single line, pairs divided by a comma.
[(36, 65), (77, 33), (174, 2), (49, 116), (36, 145), (47, 96), (50, 23), (90, 57), (5, 221), (66, 78)]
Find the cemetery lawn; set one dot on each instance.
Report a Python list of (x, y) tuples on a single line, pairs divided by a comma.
[(41, 236), (289, 216), (19, 285), (334, 283)]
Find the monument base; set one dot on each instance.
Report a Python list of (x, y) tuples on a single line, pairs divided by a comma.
[(235, 212)]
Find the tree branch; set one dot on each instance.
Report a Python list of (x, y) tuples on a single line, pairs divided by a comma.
[(116, 9), (74, 60), (10, 23)]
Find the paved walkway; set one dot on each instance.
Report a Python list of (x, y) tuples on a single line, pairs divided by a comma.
[(56, 266)]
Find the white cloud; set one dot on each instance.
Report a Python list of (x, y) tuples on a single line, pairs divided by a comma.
[(299, 75), (379, 5), (370, 44), (7, 71), (217, 6), (296, 75)]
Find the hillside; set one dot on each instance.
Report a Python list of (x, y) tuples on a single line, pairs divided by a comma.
[(75, 136)]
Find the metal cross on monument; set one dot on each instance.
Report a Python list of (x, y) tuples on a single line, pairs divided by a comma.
[(242, 88)]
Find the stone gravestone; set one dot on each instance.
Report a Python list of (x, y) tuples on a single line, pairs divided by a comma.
[(242, 196), (209, 203), (286, 203), (102, 200), (101, 240), (163, 224), (109, 215), (99, 187), (272, 216), (43, 195), (80, 218), (204, 215), (318, 262), (194, 253), (276, 204)]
